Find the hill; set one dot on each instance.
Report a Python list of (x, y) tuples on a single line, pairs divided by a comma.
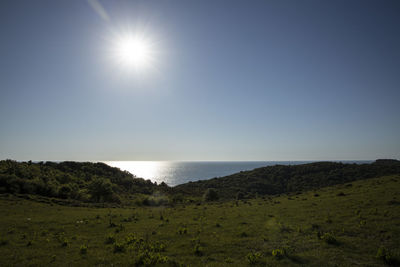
[(80, 181), (280, 179), (86, 182)]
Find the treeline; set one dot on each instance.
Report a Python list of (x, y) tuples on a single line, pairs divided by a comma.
[(98, 182), (280, 179), (83, 181)]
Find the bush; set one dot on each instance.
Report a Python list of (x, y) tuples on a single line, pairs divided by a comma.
[(182, 230), (254, 258), (210, 195), (198, 250), (83, 249), (385, 255), (148, 258), (3, 242), (329, 238), (100, 189), (64, 191), (110, 239), (119, 247), (239, 196), (64, 242), (152, 201), (278, 253)]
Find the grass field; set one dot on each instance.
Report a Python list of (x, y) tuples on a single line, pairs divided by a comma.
[(344, 225)]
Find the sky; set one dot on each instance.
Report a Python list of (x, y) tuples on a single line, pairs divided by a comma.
[(228, 80)]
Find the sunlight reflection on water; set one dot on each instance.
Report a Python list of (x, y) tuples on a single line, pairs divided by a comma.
[(179, 172)]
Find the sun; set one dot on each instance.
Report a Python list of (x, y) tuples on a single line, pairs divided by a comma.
[(133, 51)]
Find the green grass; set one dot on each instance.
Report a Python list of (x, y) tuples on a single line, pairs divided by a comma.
[(346, 225)]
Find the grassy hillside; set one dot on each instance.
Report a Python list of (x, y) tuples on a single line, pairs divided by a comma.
[(280, 179), (342, 225), (85, 182)]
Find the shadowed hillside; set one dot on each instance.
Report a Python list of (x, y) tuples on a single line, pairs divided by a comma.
[(82, 181), (99, 183), (280, 179)]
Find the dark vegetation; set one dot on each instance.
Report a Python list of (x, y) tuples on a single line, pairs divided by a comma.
[(359, 227), (281, 179), (318, 214), (86, 182)]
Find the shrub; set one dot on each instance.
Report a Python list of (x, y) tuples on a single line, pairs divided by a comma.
[(64, 191), (284, 228), (3, 242), (239, 196), (64, 242), (148, 258), (243, 234), (385, 255), (210, 195), (329, 238), (254, 258), (110, 239), (130, 239), (278, 253), (198, 250), (152, 201), (119, 247), (100, 189), (182, 230), (83, 249)]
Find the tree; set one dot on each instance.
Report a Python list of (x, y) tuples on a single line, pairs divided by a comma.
[(100, 189), (210, 195)]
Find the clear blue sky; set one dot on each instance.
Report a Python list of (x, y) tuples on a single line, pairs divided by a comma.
[(232, 80)]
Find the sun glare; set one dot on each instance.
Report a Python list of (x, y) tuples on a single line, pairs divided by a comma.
[(133, 52)]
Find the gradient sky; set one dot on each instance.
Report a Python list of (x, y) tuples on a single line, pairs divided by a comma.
[(233, 80)]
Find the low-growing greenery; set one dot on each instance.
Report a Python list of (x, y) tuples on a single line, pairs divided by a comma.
[(345, 224)]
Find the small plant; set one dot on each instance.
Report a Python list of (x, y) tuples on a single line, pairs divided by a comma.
[(328, 219), (198, 250), (315, 226), (210, 195), (284, 228), (110, 239), (119, 228), (243, 234), (384, 255), (3, 241), (278, 253), (329, 238), (182, 230), (130, 239), (254, 258), (362, 223), (83, 250), (228, 260), (119, 247), (64, 242)]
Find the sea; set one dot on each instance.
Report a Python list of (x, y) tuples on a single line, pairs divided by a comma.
[(178, 172)]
